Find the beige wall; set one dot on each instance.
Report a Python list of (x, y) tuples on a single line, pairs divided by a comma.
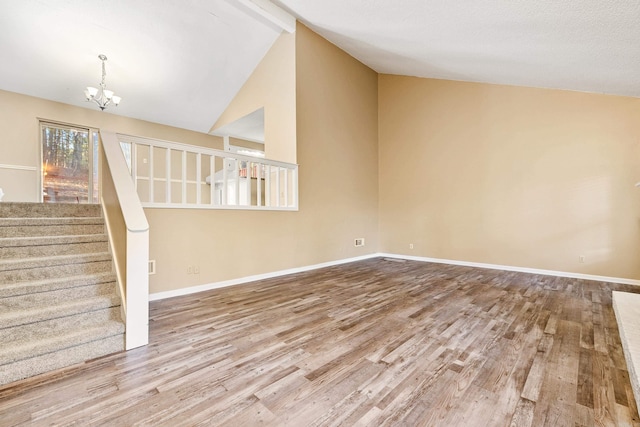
[(512, 176), (246, 144), (20, 140), (337, 108), (272, 85)]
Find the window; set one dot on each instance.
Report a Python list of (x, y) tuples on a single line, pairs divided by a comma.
[(69, 164)]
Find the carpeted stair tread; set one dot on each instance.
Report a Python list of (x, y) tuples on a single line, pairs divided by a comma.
[(38, 247), (59, 296), (43, 227), (39, 313), (34, 269), (60, 325), (39, 251), (26, 209), (51, 261), (51, 361), (49, 341), (37, 286), (51, 240), (48, 222)]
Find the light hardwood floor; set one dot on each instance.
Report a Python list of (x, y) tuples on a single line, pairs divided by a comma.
[(372, 343)]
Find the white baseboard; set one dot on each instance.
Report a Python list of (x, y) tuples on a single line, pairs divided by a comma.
[(517, 269), (216, 285)]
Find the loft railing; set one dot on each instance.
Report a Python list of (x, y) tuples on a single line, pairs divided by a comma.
[(129, 240), (174, 175)]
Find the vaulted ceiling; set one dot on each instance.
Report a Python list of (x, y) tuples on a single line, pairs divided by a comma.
[(583, 45), (181, 62), (173, 62)]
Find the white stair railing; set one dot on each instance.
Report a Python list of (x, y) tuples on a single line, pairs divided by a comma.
[(174, 175), (129, 240)]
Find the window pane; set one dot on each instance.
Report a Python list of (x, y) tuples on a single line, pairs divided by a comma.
[(126, 150), (65, 164)]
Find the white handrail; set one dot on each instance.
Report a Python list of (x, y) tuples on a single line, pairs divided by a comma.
[(134, 217), (124, 211), (202, 150)]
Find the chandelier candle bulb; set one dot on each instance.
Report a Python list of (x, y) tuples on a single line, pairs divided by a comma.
[(90, 92)]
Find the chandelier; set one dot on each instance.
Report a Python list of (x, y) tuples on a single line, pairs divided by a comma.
[(102, 96)]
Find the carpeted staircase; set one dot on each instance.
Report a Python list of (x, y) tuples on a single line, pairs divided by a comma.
[(58, 295)]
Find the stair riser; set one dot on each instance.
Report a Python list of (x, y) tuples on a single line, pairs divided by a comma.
[(48, 362), (60, 342), (35, 210), (31, 263), (42, 273), (43, 299), (35, 330), (52, 230), (17, 318), (24, 341), (24, 288), (52, 250)]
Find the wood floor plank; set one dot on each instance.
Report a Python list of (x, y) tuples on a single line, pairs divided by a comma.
[(371, 343), (535, 378), (523, 415)]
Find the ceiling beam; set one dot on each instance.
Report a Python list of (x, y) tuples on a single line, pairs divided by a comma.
[(272, 13)]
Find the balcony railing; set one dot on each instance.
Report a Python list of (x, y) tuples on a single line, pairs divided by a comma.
[(174, 175)]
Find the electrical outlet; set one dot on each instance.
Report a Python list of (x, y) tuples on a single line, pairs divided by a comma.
[(410, 245), (581, 258), (196, 269), (358, 242), (190, 269)]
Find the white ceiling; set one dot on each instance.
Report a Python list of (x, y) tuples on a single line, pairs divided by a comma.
[(173, 62), (181, 62), (249, 127), (583, 45)]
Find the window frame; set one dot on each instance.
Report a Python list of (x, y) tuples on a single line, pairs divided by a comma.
[(93, 162)]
